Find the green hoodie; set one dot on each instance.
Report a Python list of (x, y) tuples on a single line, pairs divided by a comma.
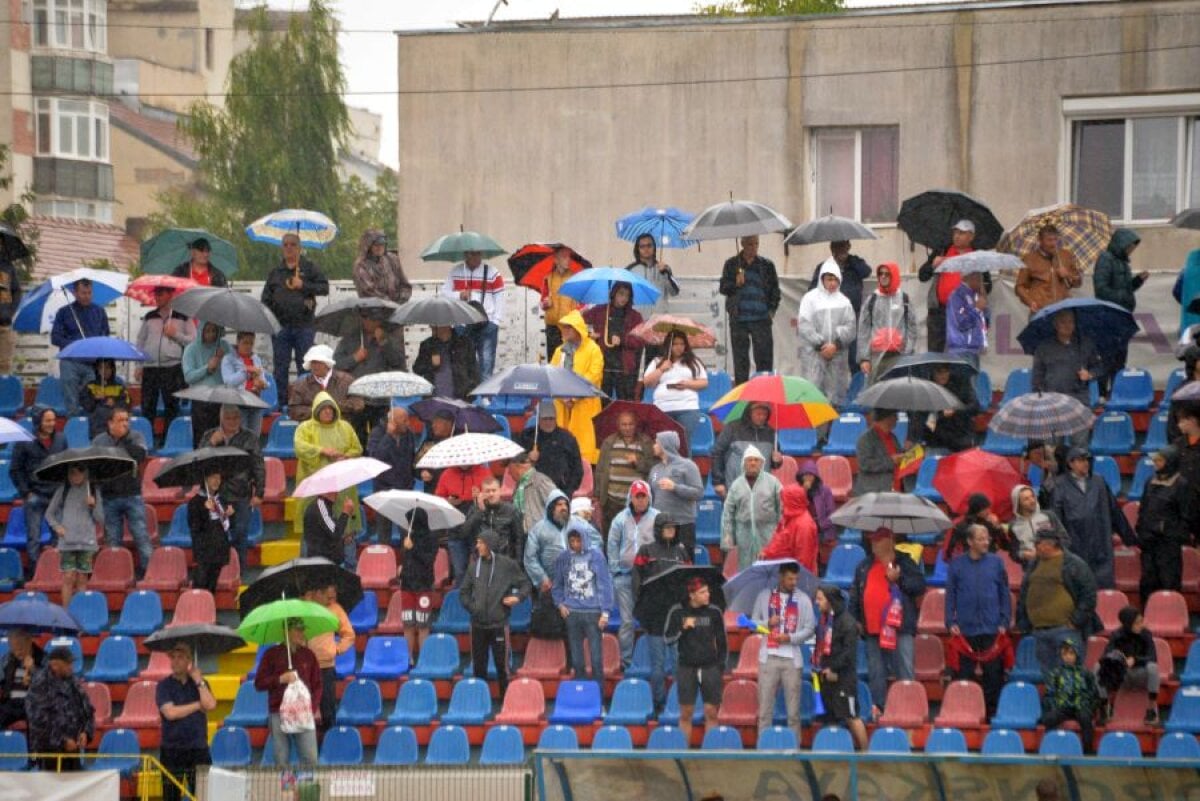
[(1114, 280)]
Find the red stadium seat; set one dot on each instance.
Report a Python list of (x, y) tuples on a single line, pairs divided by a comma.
[(167, 571), (1108, 604), (377, 567), (1166, 662), (1167, 614), (907, 706), (98, 694), (1131, 510), (1016, 573), (1096, 645), (1127, 568), (739, 704), (140, 711), (112, 571), (1191, 569), (962, 706), (929, 658), (932, 619), (231, 574), (544, 659), (441, 568), (158, 668), (587, 485), (151, 492), (786, 472), (747, 666), (836, 474), (47, 576), (524, 704), (1129, 712), (275, 489), (393, 622), (195, 606)]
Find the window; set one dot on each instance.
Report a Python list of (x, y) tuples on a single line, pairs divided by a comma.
[(71, 24), (75, 129), (75, 210), (856, 173)]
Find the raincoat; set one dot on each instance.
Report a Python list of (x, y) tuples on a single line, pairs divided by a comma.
[(821, 504), (750, 515), (547, 540), (1091, 515), (382, 277), (1114, 280), (887, 324), (312, 436), (587, 361), (826, 317), (796, 535)]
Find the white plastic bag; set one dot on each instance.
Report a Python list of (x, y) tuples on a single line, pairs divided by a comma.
[(295, 711)]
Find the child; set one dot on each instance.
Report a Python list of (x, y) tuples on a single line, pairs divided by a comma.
[(1071, 694), (74, 512), (101, 396), (208, 520), (1132, 649)]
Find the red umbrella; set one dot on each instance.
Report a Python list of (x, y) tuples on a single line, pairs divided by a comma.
[(142, 288), (654, 331), (650, 420), (961, 474), (532, 263)]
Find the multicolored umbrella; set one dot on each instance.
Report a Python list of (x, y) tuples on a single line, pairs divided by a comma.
[(650, 420), (1084, 232), (469, 449), (392, 384), (1042, 415), (333, 478), (654, 331), (961, 474), (143, 287), (795, 402), (315, 230), (454, 247), (532, 263), (37, 308), (398, 505), (1109, 326), (664, 224), (899, 511)]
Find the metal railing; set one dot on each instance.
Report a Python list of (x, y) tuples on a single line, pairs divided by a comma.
[(424, 782), (150, 775)]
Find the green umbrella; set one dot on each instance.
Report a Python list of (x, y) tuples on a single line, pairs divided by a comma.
[(163, 253), (268, 623), (453, 247)]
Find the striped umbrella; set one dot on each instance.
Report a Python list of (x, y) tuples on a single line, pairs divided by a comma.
[(795, 402), (314, 229), (1041, 415), (1084, 232)]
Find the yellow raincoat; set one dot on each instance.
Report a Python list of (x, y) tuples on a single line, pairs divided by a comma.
[(313, 436), (588, 363)]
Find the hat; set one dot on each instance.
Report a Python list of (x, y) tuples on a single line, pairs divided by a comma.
[(61, 654), (695, 583), (379, 239), (1048, 533), (1078, 453), (199, 243), (545, 408), (881, 533), (318, 353), (752, 453), (581, 505), (639, 487), (965, 225)]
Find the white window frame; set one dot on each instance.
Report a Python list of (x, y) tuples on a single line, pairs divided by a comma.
[(1183, 105), (96, 118), (95, 38), (815, 135)]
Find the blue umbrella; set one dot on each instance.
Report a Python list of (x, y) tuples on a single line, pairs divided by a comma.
[(742, 589), (37, 309), (595, 286), (1108, 325), (314, 228), (36, 616), (89, 349), (538, 381), (665, 225)]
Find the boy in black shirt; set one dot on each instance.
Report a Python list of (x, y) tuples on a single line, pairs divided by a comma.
[(698, 629)]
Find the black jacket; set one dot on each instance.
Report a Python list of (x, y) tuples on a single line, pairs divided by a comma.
[(1080, 584), (1139, 645), (504, 522), (1161, 515), (842, 658), (912, 587), (241, 486), (27, 457), (8, 678), (487, 583), (210, 541), (129, 484), (324, 528), (463, 368), (558, 457), (216, 276), (701, 646), (657, 557), (396, 451), (294, 308), (417, 575)]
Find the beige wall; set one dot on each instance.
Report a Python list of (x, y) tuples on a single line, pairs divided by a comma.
[(524, 166), (140, 172)]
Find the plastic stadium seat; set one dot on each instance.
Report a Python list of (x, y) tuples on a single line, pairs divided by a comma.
[(1178, 745), (1191, 668), (1060, 743), (786, 472), (666, 738), (116, 661), (157, 669), (962, 706), (385, 658), (249, 707), (889, 740), (377, 567), (747, 664), (1174, 380), (448, 746), (90, 610), (524, 703), (345, 664), (1132, 391), (1141, 476), (1191, 569), (397, 746), (1020, 382), (946, 741), (1002, 444), (140, 710), (231, 747), (11, 571), (50, 393), (275, 481), (1019, 706), (470, 703), (230, 577), (835, 739), (719, 383), (983, 389), (1185, 711), (393, 622), (1026, 667), (842, 562), (1156, 434), (560, 738), (1002, 742), (14, 751), (77, 433), (700, 556), (101, 699), (12, 396), (612, 738), (932, 617), (844, 433), (670, 713), (1112, 434), (722, 738), (143, 426), (631, 704), (342, 746), (453, 617), (154, 494), (739, 704), (924, 487), (178, 439), (577, 703), (167, 571), (836, 474), (857, 382), (361, 704), (117, 741), (178, 535), (1108, 604), (929, 658), (777, 738), (416, 704), (797, 441), (364, 617), (281, 439), (545, 659), (521, 616), (708, 521), (438, 658), (1106, 467), (907, 705), (268, 756), (639, 666), (503, 745), (112, 570), (194, 606), (1167, 614), (701, 438), (47, 575), (1119, 745)]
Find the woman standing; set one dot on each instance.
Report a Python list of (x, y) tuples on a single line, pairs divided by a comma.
[(677, 377), (611, 324), (208, 520)]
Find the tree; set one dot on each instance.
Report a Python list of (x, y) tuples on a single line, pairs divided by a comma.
[(16, 216), (771, 8)]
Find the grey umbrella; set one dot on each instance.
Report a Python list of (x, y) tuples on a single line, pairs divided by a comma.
[(200, 638), (226, 307), (902, 513), (344, 317), (829, 228), (230, 396), (1188, 218), (921, 365), (908, 393), (437, 310), (1042, 415), (736, 218), (980, 261)]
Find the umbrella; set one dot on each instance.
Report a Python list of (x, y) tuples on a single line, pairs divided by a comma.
[(921, 365), (1042, 415), (11, 431), (454, 247), (911, 394), (463, 450), (189, 469), (1189, 392), (396, 505), (901, 512), (200, 638), (1188, 218), (12, 246), (102, 464), (966, 472), (89, 349), (659, 593), (1084, 232), (531, 264), (344, 317), (736, 218), (143, 287), (295, 577), (829, 228), (268, 623), (538, 381), (467, 416), (393, 384), (232, 396), (314, 228), (595, 286), (1109, 326), (227, 307), (437, 310), (168, 249), (38, 308), (795, 402), (980, 261), (742, 589), (654, 331), (36, 616), (650, 420), (927, 218), (664, 224), (342, 475)]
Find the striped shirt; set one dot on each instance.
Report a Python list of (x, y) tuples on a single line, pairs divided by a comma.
[(484, 284), (622, 468)]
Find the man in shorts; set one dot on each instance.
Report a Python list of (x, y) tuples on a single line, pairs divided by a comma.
[(697, 629), (835, 659)]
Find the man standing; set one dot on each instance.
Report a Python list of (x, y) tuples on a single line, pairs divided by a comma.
[(1090, 514), (291, 292), (16, 674), (447, 360), (697, 629), (494, 584), (583, 593), (1115, 282), (835, 659), (677, 486), (392, 444), (967, 318), (460, 486), (327, 648), (482, 286), (123, 505), (978, 609), (878, 452), (321, 376), (788, 615), (163, 335), (77, 320), (751, 289), (630, 530), (492, 514), (1058, 600), (198, 267), (183, 700), (855, 270), (962, 238), (547, 540), (281, 665), (752, 509), (626, 456), (27, 458), (1066, 363), (377, 347), (61, 718), (1049, 274), (531, 490), (554, 450), (554, 303), (244, 489)]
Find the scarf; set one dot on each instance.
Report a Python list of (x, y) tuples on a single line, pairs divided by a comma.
[(788, 612), (568, 354), (1001, 648), (889, 445), (218, 512)]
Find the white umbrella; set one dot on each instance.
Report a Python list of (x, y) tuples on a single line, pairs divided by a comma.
[(469, 449), (13, 432), (397, 505), (395, 384), (333, 478)]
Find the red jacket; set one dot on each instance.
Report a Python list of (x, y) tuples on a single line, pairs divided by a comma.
[(275, 663), (795, 536), (459, 481)]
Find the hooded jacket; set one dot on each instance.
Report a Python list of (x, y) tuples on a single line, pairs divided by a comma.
[(841, 656), (664, 280), (197, 354), (732, 443), (68, 509), (624, 358), (546, 540), (750, 515), (382, 277), (679, 503), (558, 456), (302, 394), (28, 457), (966, 325), (324, 529), (57, 709), (294, 307), (312, 436), (826, 317), (581, 580), (1161, 516), (628, 534), (1023, 530), (459, 352), (1091, 515), (588, 363), (796, 535), (1043, 281), (1114, 280), (1074, 688), (821, 504), (854, 274), (658, 556), (886, 322), (488, 581), (503, 523)]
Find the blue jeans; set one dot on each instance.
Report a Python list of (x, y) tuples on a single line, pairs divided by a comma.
[(35, 511), (1049, 643), (623, 590), (485, 339), (252, 420), (662, 662), (239, 525), (289, 343), (585, 624), (306, 743), (74, 376), (460, 554), (882, 663), (132, 510)]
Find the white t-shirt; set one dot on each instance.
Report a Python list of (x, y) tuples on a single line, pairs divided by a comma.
[(676, 400)]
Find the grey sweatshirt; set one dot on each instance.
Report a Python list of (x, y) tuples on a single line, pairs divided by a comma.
[(68, 508), (678, 504)]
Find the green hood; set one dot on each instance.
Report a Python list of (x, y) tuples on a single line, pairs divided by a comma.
[(1122, 238)]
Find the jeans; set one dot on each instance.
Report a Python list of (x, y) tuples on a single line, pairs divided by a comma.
[(35, 512), (883, 663), (306, 743), (130, 509), (289, 343), (74, 376), (329, 701), (182, 763), (689, 419), (460, 554), (239, 526), (662, 661), (776, 671), (1049, 643), (623, 590), (485, 338), (740, 337), (252, 420), (585, 624)]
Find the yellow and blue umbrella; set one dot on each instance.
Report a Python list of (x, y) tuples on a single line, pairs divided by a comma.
[(314, 229)]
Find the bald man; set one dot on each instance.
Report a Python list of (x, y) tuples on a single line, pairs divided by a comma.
[(394, 444)]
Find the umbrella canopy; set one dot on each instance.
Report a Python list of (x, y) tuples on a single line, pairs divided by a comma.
[(901, 512), (37, 308), (467, 416), (595, 286), (743, 588), (921, 365), (829, 228), (268, 623), (1084, 232), (532, 263), (437, 310), (11, 431), (189, 469), (928, 218), (795, 402), (1042, 415), (143, 288), (36, 617), (736, 218), (659, 593), (295, 577), (454, 247), (201, 638), (1108, 325), (1188, 393), (89, 349), (910, 394), (1188, 218), (232, 396), (315, 230), (344, 317), (654, 331), (102, 464), (650, 420), (664, 224), (342, 475), (167, 250), (980, 261), (393, 384), (397, 506), (538, 381), (966, 472), (12, 246), (237, 311), (469, 449)]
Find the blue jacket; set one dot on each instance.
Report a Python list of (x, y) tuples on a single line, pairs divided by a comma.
[(67, 320), (977, 599), (966, 326), (545, 541), (582, 581)]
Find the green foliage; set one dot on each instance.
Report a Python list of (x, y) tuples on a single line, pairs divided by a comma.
[(770, 8), (16, 216)]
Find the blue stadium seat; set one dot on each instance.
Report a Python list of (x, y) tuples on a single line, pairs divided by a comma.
[(90, 610), (1060, 743), (842, 562), (850, 536), (342, 746), (270, 394), (577, 703), (345, 664), (1174, 381), (50, 393), (76, 432), (416, 705), (502, 746), (364, 617), (438, 658), (1002, 444), (281, 439), (639, 665), (983, 389), (14, 750), (1178, 745), (1119, 745), (1002, 742), (721, 738), (144, 427), (901, 431), (116, 661), (864, 690), (469, 671), (179, 535), (385, 658), (612, 738), (448, 746), (1191, 668), (1156, 434), (141, 614), (1020, 382), (453, 617), (505, 427), (1141, 476), (470, 703), (889, 740), (11, 572), (700, 556), (117, 741), (12, 396), (361, 704), (249, 707), (719, 383), (1026, 667), (777, 738), (797, 441), (946, 741), (835, 739), (701, 438), (1034, 475), (268, 755), (558, 738), (1112, 434), (631, 703), (231, 747), (179, 438), (844, 433), (1185, 711), (666, 738), (1019, 706), (924, 487), (709, 493), (1132, 391), (670, 713), (397, 746), (521, 616), (708, 521), (8, 490), (1093, 394), (1106, 468)]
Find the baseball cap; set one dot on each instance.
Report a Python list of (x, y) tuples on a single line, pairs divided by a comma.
[(965, 225)]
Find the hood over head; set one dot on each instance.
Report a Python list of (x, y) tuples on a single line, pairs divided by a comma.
[(752, 453), (795, 500), (1015, 495), (661, 522), (490, 538), (829, 267), (809, 468), (1122, 238), (669, 441), (367, 239), (555, 496), (894, 270), (323, 399), (1170, 455), (575, 320)]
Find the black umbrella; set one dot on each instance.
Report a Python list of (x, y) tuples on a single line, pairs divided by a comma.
[(928, 218), (921, 365), (11, 244), (237, 311), (296, 577), (659, 593), (102, 464), (467, 416), (911, 394), (1188, 218), (232, 396), (829, 228), (201, 638), (189, 469), (344, 318), (437, 310)]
